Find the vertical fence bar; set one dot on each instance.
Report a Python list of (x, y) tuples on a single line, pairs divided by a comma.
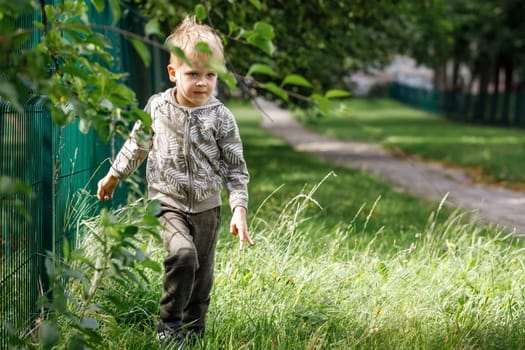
[(5, 223), (45, 208), (519, 109)]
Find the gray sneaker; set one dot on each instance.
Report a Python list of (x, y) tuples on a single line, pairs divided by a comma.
[(170, 333)]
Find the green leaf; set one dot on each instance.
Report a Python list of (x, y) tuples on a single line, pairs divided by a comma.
[(11, 331), (115, 9), (99, 5), (88, 322), (261, 37), (66, 249), (48, 334), (152, 27), (276, 90), (6, 186), (77, 34), (144, 117), (59, 301), (154, 208), (264, 30), (58, 116), (262, 43), (74, 70), (131, 230), (224, 75), (200, 12), (132, 277), (50, 268), (9, 92), (259, 68), (295, 79), (463, 299), (75, 274), (204, 48), (337, 93), (43, 301), (144, 278), (383, 269), (116, 302), (151, 264), (150, 220), (10, 186), (229, 79), (256, 3), (139, 255), (107, 219), (142, 50), (119, 94), (77, 343), (177, 51), (323, 103), (232, 27)]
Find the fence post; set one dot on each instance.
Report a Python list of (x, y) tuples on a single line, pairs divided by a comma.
[(48, 193), (519, 110)]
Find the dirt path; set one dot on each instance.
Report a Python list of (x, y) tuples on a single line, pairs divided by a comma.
[(496, 205)]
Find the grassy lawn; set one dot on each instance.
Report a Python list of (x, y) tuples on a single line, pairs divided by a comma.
[(273, 163), (341, 261), (491, 154)]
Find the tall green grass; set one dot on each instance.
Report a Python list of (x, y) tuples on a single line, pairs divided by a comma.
[(495, 154), (341, 261), (452, 287)]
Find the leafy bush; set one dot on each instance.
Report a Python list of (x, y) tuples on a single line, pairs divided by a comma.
[(83, 298)]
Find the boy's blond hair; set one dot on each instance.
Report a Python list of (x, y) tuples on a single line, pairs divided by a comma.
[(188, 34)]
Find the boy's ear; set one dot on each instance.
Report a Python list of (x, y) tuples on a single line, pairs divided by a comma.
[(172, 73)]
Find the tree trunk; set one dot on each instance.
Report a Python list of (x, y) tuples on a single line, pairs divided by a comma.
[(493, 117), (484, 72), (509, 70), (468, 106), (440, 74), (456, 85)]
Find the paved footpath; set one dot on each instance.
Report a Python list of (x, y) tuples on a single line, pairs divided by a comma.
[(502, 207)]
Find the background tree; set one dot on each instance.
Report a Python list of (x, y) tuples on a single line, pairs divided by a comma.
[(323, 41), (483, 35)]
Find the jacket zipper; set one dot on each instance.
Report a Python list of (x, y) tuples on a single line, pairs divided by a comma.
[(188, 162)]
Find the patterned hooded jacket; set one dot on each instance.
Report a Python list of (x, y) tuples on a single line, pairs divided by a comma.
[(191, 152)]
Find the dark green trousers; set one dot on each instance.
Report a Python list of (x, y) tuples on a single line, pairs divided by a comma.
[(190, 241)]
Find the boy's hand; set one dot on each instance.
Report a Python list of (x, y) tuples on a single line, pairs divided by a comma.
[(239, 227), (106, 186)]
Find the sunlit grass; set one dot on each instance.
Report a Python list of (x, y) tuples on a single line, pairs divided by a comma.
[(451, 286), (341, 261), (493, 154)]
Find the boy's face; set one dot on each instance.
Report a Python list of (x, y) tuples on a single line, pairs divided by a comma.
[(195, 83)]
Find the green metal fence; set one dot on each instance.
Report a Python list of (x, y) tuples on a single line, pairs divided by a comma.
[(505, 109), (24, 237), (58, 163)]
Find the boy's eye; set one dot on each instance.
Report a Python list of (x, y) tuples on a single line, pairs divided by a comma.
[(211, 75)]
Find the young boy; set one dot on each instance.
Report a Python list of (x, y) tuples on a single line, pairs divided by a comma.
[(193, 148)]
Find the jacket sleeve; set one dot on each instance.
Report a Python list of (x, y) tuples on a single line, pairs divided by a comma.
[(233, 166), (134, 150), (132, 153)]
